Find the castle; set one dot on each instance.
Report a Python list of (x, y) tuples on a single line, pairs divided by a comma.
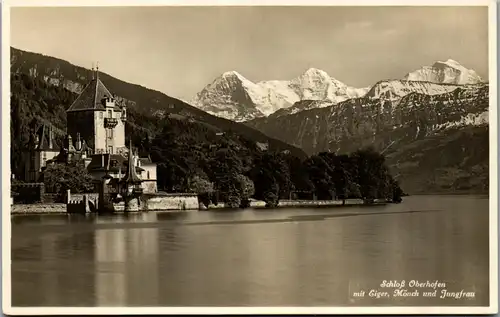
[(95, 135)]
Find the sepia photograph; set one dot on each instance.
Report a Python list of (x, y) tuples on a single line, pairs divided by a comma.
[(237, 158)]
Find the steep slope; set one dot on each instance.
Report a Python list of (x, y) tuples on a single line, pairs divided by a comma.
[(453, 160), (385, 124), (234, 97), (231, 96), (394, 90), (144, 101), (365, 120), (448, 72)]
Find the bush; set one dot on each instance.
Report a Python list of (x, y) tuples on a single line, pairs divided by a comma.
[(60, 177)]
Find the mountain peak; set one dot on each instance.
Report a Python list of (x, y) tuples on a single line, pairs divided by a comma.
[(447, 72), (449, 62), (452, 61), (315, 72), (232, 74)]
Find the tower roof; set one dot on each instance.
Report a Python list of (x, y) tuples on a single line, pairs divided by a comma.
[(46, 139), (131, 174), (91, 97)]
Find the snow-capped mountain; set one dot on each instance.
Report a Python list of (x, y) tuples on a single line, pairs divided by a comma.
[(394, 90), (234, 97), (391, 91), (359, 122), (448, 72)]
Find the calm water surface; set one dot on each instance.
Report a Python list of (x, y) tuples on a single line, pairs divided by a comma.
[(286, 257)]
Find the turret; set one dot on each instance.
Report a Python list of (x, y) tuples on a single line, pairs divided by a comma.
[(78, 143), (68, 144), (124, 112), (108, 102), (51, 137), (37, 140), (131, 177)]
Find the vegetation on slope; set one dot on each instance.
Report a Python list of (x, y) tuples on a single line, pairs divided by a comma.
[(141, 100), (453, 161)]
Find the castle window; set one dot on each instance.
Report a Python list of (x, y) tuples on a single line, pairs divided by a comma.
[(110, 113), (109, 133), (100, 115), (110, 149), (148, 175)]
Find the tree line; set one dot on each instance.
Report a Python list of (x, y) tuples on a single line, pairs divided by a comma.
[(228, 168)]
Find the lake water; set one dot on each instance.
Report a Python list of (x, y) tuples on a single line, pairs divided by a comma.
[(285, 257)]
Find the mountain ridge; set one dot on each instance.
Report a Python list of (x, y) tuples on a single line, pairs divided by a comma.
[(148, 102), (281, 97), (244, 100), (398, 129)]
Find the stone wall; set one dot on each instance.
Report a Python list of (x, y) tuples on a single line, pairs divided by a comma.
[(313, 203), (28, 193), (80, 206), (149, 187), (170, 202), (38, 209), (79, 197), (52, 198)]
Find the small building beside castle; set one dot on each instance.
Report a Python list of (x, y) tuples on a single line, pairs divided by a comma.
[(42, 148), (95, 135)]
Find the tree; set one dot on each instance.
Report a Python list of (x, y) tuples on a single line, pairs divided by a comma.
[(200, 185), (271, 178), (225, 168), (246, 190), (320, 174), (299, 177), (60, 177), (371, 172), (397, 192), (203, 187)]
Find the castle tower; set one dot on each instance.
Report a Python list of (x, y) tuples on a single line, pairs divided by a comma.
[(97, 119), (132, 189), (42, 148)]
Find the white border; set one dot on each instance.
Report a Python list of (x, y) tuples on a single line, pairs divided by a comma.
[(6, 218)]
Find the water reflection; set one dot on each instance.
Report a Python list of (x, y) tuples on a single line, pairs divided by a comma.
[(158, 259), (124, 258)]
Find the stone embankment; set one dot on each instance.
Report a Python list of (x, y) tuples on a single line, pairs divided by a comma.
[(185, 203), (305, 203), (24, 209)]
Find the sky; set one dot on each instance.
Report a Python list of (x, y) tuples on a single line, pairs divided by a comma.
[(180, 50)]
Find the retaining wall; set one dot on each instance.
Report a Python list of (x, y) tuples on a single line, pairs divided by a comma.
[(170, 202), (37, 209)]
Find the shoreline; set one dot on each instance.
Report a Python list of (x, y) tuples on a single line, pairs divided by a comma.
[(60, 208), (454, 193)]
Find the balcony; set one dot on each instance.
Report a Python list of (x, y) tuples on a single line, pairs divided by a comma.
[(110, 123)]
